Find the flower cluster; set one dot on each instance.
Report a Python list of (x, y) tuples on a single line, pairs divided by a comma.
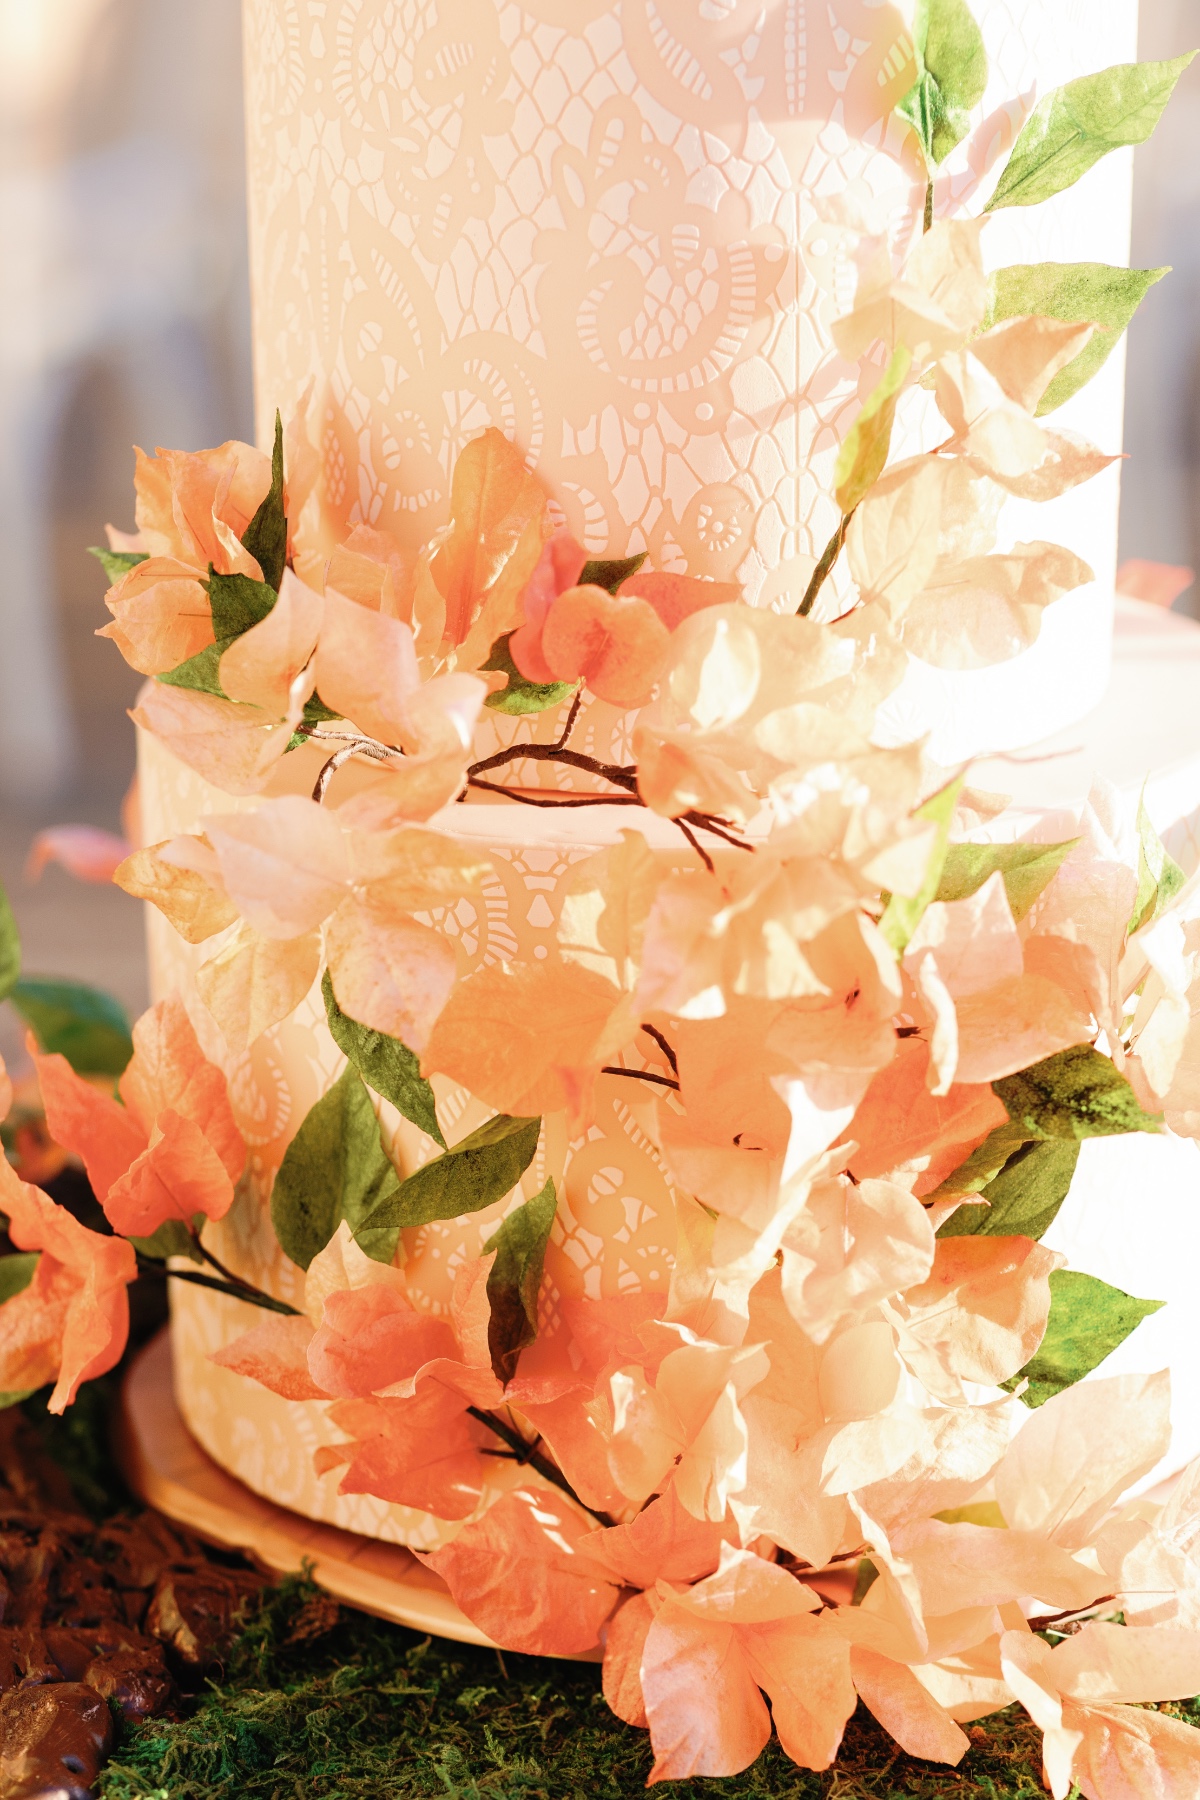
[(864, 1039)]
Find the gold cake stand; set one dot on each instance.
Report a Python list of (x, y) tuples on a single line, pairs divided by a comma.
[(167, 1469)]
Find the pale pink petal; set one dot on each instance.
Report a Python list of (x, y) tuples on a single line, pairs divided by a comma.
[(178, 1175), (388, 971), (1130, 1754), (170, 1071), (906, 1710), (1076, 1454), (805, 1670), (421, 1452), (275, 1354), (624, 1642), (371, 1337), (518, 1575), (366, 668), (260, 666), (83, 851), (95, 1319), (254, 982), (705, 1712), (285, 866), (89, 1122)]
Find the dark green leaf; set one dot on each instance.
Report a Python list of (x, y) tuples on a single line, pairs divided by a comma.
[(15, 1399), (515, 1278), (1159, 875), (385, 1064), (1079, 294), (1088, 1319), (335, 1168), (16, 1273), (865, 449), (171, 1239), (610, 572), (317, 713), (201, 672), (984, 1163), (266, 534), (1075, 1093), (116, 563), (1024, 1198), (903, 913), (951, 76), (237, 604), (480, 1170), (1074, 126), (521, 696), (10, 948), (1027, 869), (83, 1024)]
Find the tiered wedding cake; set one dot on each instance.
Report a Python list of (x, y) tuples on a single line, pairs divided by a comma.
[(630, 1110)]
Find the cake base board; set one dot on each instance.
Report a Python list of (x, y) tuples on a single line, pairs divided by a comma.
[(166, 1468)]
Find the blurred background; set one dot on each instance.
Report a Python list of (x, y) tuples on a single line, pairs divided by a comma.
[(124, 318)]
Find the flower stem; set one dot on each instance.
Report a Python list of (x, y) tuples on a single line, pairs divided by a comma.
[(524, 1452), (929, 204), (236, 1289), (829, 556)]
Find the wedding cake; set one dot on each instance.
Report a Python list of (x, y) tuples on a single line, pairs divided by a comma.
[(692, 983)]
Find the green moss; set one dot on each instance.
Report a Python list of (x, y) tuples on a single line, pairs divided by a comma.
[(372, 1710)]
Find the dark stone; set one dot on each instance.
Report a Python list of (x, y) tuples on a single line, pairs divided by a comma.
[(193, 1612), (53, 1740)]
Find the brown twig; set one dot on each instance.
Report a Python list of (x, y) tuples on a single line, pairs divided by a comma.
[(652, 1031), (618, 773), (697, 846), (525, 1452), (642, 1075), (526, 798)]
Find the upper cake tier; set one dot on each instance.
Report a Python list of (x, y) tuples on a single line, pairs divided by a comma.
[(621, 230)]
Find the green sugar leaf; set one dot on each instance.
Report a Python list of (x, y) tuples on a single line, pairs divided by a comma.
[(1159, 875), (1024, 1198), (117, 563), (10, 948), (69, 1019), (238, 602), (15, 1398), (335, 1168), (952, 74), (521, 696), (266, 534), (481, 1169), (171, 1239), (1072, 128), (865, 450), (1079, 294), (984, 1163), (1075, 1093), (1088, 1319), (1027, 869), (904, 913), (16, 1273), (200, 673), (385, 1064), (515, 1278), (609, 572)]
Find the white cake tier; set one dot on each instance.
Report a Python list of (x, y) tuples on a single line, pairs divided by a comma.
[(620, 230), (1132, 1217)]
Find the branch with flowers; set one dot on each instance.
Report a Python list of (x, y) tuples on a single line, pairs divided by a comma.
[(866, 1042)]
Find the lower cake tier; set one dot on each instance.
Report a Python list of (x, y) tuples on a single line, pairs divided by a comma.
[(616, 1226)]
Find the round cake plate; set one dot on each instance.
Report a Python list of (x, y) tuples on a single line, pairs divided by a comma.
[(166, 1468)]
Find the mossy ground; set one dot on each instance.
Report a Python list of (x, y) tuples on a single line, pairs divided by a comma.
[(372, 1710), (317, 1705)]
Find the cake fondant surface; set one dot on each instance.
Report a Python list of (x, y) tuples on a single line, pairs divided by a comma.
[(621, 232)]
